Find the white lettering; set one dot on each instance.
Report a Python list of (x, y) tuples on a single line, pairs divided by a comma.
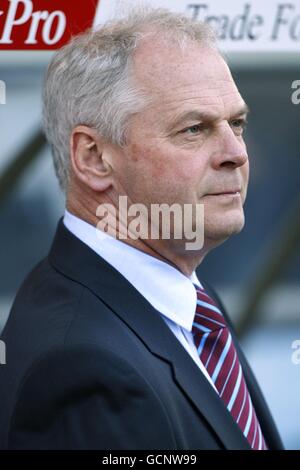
[(296, 354), (61, 26), (296, 94), (37, 16), (2, 92), (2, 352), (12, 21), (50, 34)]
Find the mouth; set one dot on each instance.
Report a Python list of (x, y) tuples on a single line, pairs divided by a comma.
[(229, 192)]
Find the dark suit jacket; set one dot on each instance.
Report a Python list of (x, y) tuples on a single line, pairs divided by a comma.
[(92, 365)]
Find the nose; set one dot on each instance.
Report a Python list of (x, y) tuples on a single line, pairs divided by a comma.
[(230, 149)]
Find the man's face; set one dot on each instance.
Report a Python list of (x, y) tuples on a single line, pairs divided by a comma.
[(187, 145)]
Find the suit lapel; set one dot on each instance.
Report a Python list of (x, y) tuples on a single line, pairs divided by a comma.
[(78, 262)]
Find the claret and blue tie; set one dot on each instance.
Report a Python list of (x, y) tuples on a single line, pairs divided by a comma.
[(218, 354)]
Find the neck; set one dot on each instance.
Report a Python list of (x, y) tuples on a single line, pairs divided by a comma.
[(172, 252)]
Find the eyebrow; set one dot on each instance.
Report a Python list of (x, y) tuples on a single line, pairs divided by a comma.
[(195, 115)]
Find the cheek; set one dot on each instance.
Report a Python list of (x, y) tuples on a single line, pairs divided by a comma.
[(167, 168), (174, 165), (245, 177), (149, 162), (143, 173), (245, 173)]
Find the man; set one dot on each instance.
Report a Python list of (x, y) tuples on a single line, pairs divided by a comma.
[(113, 342)]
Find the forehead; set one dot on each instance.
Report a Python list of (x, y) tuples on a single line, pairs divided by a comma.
[(178, 79)]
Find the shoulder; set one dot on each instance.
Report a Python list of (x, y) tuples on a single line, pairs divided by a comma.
[(48, 306), (85, 397), (66, 369)]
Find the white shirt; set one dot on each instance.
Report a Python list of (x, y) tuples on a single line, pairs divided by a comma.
[(165, 287)]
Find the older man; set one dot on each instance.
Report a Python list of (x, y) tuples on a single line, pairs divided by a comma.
[(113, 342)]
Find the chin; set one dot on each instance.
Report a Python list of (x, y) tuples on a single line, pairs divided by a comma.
[(222, 227)]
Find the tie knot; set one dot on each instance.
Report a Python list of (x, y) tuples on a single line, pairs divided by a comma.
[(208, 316)]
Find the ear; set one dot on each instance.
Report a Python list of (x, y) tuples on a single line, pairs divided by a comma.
[(88, 158)]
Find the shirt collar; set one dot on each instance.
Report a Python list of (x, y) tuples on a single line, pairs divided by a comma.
[(165, 287)]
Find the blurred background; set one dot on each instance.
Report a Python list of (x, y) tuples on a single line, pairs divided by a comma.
[(257, 273)]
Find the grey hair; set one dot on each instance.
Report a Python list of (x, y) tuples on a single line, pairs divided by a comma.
[(90, 82)]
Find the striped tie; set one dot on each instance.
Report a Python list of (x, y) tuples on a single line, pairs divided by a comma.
[(218, 354)]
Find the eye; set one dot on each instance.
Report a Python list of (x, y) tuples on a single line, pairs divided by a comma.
[(193, 130), (238, 125)]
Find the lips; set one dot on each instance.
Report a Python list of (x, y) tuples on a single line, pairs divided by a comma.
[(225, 192)]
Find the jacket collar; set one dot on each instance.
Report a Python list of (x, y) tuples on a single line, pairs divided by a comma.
[(176, 301)]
